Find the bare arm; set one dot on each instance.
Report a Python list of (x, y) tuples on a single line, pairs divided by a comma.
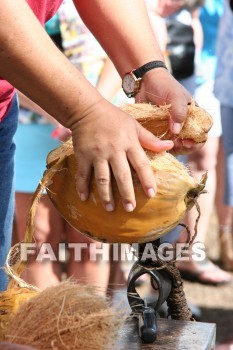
[(134, 43), (34, 65), (124, 30), (100, 131), (25, 102)]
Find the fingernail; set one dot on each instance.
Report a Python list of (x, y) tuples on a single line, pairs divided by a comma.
[(176, 128), (129, 207), (151, 192), (109, 207), (82, 196), (168, 143)]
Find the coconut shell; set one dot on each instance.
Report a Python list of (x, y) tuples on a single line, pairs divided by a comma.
[(151, 218)]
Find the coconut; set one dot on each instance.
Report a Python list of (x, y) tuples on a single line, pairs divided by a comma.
[(10, 301), (66, 316), (152, 217)]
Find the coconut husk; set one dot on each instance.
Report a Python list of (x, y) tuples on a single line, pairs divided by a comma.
[(10, 302), (67, 316), (11, 346), (156, 120)]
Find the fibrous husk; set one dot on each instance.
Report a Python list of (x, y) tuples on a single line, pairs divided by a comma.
[(10, 301), (156, 120), (67, 316)]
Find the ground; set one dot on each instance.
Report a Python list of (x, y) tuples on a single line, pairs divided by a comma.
[(216, 303)]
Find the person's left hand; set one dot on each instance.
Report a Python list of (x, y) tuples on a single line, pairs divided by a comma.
[(159, 87)]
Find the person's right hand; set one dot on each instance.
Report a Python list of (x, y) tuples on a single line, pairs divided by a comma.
[(108, 140)]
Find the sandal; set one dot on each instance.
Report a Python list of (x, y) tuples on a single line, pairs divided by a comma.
[(204, 272)]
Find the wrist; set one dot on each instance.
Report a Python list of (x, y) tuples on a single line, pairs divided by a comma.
[(131, 81)]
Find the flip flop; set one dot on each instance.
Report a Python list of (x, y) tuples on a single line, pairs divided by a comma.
[(204, 266)]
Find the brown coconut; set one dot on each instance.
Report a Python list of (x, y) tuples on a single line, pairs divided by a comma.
[(151, 219), (67, 316)]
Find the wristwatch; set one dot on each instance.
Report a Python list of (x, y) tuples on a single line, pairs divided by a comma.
[(131, 81)]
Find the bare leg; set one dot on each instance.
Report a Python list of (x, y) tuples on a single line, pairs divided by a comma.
[(200, 162), (225, 215), (48, 229), (82, 268)]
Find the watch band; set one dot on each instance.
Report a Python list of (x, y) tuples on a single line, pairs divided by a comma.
[(139, 72)]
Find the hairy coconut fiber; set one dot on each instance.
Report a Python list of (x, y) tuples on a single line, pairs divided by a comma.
[(67, 316), (10, 302), (13, 346), (156, 120)]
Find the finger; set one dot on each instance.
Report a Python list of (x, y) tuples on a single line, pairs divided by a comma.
[(179, 109), (151, 142), (83, 176), (185, 146), (141, 165), (103, 181), (122, 173)]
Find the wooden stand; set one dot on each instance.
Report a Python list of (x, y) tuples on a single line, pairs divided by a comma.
[(172, 335)]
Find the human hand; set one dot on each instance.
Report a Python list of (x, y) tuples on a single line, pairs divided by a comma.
[(108, 140), (159, 87), (166, 8)]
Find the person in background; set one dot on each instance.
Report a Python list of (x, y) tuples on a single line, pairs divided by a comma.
[(205, 159), (224, 91), (182, 40)]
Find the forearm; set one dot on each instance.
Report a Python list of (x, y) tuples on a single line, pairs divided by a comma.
[(123, 29), (25, 102), (34, 65)]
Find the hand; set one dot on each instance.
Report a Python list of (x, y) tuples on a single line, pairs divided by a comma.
[(107, 139), (159, 87)]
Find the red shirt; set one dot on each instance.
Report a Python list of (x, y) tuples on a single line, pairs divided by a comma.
[(44, 10)]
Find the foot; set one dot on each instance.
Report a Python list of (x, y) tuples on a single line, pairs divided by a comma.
[(204, 272), (227, 346)]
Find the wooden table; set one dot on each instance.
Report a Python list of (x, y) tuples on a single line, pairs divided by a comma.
[(172, 335)]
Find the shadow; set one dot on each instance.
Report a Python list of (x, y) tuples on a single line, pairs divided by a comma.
[(224, 322)]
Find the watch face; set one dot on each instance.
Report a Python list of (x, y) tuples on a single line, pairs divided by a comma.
[(128, 84)]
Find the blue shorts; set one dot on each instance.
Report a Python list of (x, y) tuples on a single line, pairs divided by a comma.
[(7, 149), (227, 137)]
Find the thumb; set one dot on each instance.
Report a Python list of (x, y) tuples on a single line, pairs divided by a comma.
[(179, 111), (151, 142)]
